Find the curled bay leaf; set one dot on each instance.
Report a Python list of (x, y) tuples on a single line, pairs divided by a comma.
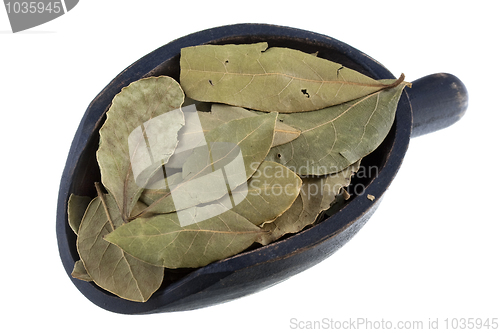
[(106, 264), (77, 205), (316, 196), (161, 240), (274, 79), (333, 138), (135, 138)]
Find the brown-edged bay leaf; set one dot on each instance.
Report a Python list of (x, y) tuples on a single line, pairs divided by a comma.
[(106, 264), (233, 152), (316, 196), (161, 240), (77, 205), (331, 139), (138, 136), (274, 79)]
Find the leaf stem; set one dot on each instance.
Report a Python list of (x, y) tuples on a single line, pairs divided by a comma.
[(397, 82)]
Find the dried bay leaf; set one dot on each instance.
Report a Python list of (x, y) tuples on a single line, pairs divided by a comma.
[(189, 187), (79, 272), (190, 136), (302, 213), (274, 79), (107, 265), (251, 137), (159, 189), (77, 205), (293, 220), (161, 240), (221, 113), (334, 184), (187, 193), (333, 138), (138, 208), (138, 136), (232, 153), (338, 203), (270, 192), (316, 196)]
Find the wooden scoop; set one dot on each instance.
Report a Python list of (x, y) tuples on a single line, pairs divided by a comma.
[(433, 102)]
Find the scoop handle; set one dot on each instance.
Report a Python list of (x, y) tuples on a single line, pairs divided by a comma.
[(437, 101)]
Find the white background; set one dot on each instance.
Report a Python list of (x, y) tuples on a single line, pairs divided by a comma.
[(430, 251)]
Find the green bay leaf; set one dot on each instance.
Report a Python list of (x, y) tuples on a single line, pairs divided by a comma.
[(161, 240), (333, 138), (274, 79), (106, 264), (138, 136)]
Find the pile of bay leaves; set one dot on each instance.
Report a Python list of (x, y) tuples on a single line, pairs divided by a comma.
[(252, 144)]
